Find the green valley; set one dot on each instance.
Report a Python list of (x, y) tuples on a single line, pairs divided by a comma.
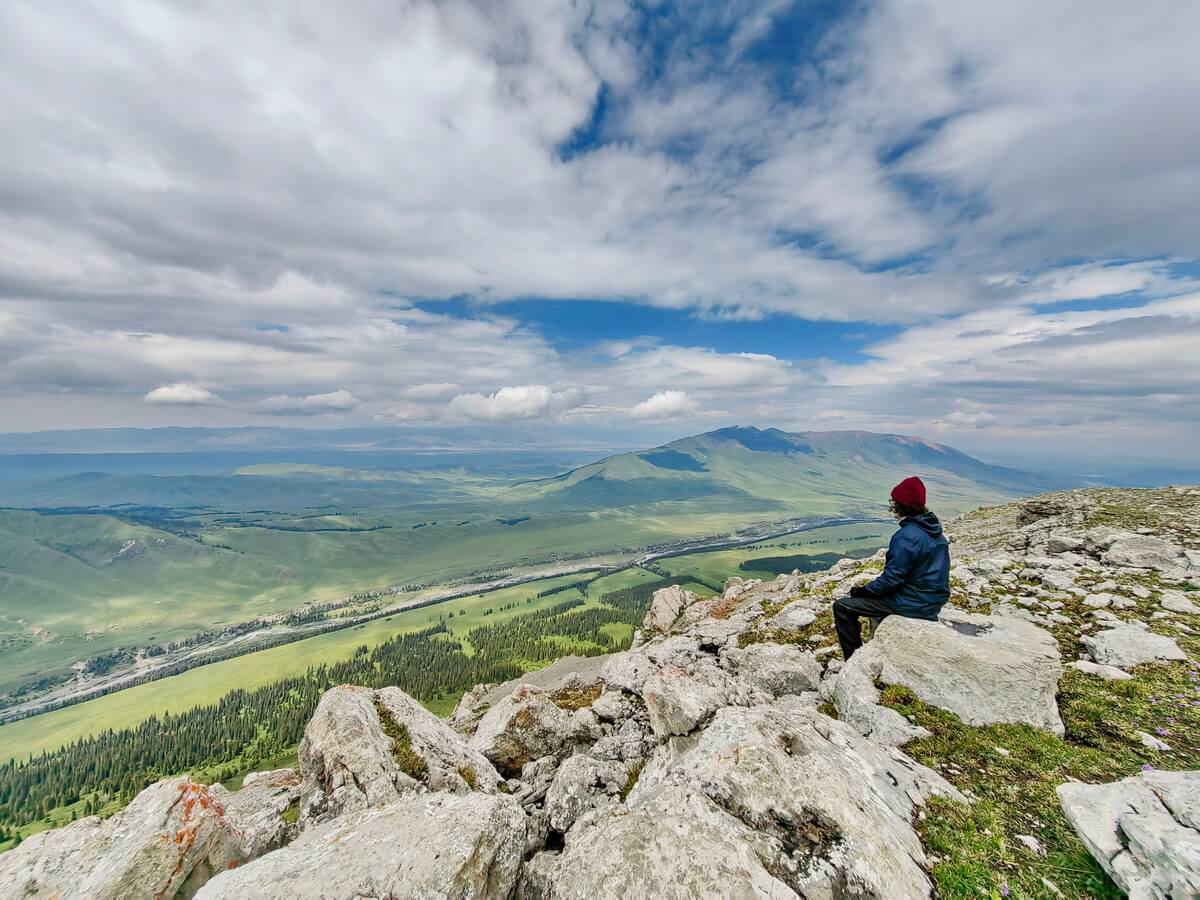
[(160, 594)]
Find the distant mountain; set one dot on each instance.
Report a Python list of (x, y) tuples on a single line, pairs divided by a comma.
[(823, 467)]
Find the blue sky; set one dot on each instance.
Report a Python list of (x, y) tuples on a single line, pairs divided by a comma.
[(974, 223)]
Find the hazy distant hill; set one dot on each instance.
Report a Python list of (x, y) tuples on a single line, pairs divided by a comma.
[(817, 466)]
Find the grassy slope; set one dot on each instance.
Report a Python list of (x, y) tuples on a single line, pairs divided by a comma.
[(203, 685), (206, 683)]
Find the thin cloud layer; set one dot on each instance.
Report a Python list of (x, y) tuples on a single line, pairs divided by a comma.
[(223, 213)]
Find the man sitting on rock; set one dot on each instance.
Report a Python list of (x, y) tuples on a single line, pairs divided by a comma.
[(916, 575)]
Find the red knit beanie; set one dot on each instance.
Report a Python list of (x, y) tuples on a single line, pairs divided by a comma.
[(910, 492)]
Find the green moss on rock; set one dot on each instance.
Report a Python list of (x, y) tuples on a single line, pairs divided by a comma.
[(409, 761)]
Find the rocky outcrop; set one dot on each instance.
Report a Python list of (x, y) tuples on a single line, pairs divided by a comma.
[(429, 845), (665, 607), (169, 841), (710, 807), (523, 726), (677, 847), (446, 763), (363, 748), (1144, 831), (775, 669), (1126, 646), (985, 669), (347, 759)]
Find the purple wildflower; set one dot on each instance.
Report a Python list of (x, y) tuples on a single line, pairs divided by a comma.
[(1004, 889), (1146, 767), (1161, 732)]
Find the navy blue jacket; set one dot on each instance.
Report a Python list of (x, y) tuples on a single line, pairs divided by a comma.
[(916, 574)]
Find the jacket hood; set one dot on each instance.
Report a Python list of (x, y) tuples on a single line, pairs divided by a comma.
[(927, 522)]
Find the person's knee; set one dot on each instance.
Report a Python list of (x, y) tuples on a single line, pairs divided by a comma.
[(841, 607)]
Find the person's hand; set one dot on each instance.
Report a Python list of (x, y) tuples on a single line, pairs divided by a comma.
[(858, 591)]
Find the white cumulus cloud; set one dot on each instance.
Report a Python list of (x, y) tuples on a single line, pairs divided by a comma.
[(527, 401), (664, 405), (311, 405), (182, 394)]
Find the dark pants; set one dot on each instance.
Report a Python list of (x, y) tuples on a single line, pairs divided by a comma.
[(846, 613)]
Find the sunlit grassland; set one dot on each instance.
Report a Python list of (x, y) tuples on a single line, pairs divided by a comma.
[(66, 595)]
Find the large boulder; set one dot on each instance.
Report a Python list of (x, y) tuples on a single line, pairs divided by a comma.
[(363, 748), (679, 699), (676, 847), (581, 784), (1142, 551), (421, 846), (346, 759), (448, 763), (1126, 646), (259, 810), (709, 810), (169, 841), (665, 607), (776, 669), (523, 726), (1144, 831), (856, 699), (985, 669)]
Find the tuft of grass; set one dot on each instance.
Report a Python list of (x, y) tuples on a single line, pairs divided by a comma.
[(291, 815), (409, 761), (575, 696), (827, 709), (822, 625), (635, 773), (974, 847), (467, 773)]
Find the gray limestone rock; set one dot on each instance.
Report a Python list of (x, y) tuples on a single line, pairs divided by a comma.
[(665, 608), (677, 701), (346, 759), (776, 669), (523, 726), (842, 825), (349, 760), (1108, 673), (1144, 552), (421, 846), (985, 669), (679, 847), (450, 764), (1179, 602), (854, 694), (259, 808), (1126, 646), (1143, 830), (173, 837), (581, 784)]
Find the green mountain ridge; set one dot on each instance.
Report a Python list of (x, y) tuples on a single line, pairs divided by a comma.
[(770, 464)]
